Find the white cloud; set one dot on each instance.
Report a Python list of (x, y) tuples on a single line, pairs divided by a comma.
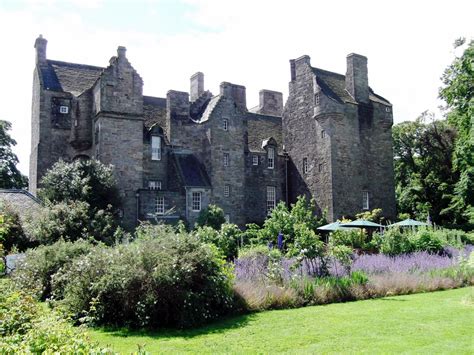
[(408, 45)]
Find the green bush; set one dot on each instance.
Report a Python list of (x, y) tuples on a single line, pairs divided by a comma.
[(74, 220), (36, 270), (12, 235), (212, 216), (426, 240), (394, 241), (152, 282), (226, 239), (25, 327), (353, 238)]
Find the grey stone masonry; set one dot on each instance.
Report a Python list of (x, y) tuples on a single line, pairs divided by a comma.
[(174, 155)]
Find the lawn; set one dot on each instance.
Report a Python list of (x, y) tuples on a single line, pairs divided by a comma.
[(437, 322)]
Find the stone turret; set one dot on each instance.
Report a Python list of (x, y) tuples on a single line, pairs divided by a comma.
[(357, 81)]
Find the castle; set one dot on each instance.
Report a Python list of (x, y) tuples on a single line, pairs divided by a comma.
[(174, 156)]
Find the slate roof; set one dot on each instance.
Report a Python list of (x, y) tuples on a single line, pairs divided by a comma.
[(260, 128), (68, 77), (334, 85), (154, 110), (191, 171), (22, 202)]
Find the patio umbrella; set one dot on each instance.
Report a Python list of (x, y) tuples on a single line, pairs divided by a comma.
[(408, 223), (331, 227), (361, 223)]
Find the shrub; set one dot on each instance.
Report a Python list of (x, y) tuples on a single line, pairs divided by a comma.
[(74, 220), (226, 239), (11, 230), (212, 216), (394, 241), (426, 240), (354, 238), (151, 282), (36, 270), (25, 327)]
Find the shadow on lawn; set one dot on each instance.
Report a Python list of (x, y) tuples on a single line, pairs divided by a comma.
[(218, 327)]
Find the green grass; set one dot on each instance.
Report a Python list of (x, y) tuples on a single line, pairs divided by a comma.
[(438, 322)]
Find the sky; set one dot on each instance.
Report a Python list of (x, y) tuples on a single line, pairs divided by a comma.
[(246, 42)]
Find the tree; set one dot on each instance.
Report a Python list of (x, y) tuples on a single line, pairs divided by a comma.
[(458, 92), (212, 216), (10, 176), (424, 176)]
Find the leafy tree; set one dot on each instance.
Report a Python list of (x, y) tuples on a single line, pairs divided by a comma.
[(82, 180), (423, 168), (458, 92), (10, 176), (212, 216)]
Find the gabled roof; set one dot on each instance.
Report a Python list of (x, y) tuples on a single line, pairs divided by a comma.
[(333, 85), (260, 128), (68, 77), (191, 171)]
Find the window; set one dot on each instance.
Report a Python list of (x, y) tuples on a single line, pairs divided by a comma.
[(225, 125), (317, 99), (160, 205), (96, 133), (270, 199), (155, 148), (255, 160), (196, 201), (365, 200), (271, 158), (387, 109), (64, 110), (321, 168), (226, 190), (154, 185), (323, 133), (226, 159), (227, 218), (305, 165)]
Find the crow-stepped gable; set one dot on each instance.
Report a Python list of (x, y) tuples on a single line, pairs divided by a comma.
[(175, 155)]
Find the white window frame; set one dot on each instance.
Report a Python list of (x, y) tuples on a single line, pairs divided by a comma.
[(254, 159), (154, 184), (63, 109), (321, 167), (160, 205), (317, 99), (271, 157), (196, 201), (365, 200), (155, 148), (323, 133), (226, 159), (226, 190), (227, 218), (225, 124), (271, 199), (305, 165)]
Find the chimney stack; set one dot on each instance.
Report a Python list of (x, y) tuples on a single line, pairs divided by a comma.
[(40, 46), (271, 103), (357, 80), (236, 92), (197, 86)]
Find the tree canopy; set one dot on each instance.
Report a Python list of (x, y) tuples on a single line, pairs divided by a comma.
[(10, 176)]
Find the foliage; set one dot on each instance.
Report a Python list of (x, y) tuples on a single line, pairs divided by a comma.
[(10, 176), (74, 220), (81, 180), (11, 230), (289, 222), (212, 216), (374, 215), (226, 239), (154, 281), (353, 238), (36, 271), (27, 328), (458, 92)]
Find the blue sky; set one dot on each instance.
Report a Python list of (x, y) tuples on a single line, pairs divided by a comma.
[(248, 42)]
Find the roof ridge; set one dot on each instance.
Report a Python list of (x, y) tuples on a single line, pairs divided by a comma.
[(328, 72), (60, 62), (21, 191)]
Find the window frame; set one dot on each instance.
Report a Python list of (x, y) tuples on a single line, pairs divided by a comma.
[(271, 199), (159, 205), (305, 165), (196, 202), (225, 124), (226, 159), (255, 160), (155, 185), (156, 153), (226, 190), (63, 109), (365, 200), (323, 133), (271, 157)]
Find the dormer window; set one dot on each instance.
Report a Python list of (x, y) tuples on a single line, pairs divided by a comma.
[(225, 125), (64, 110), (271, 157), (155, 148)]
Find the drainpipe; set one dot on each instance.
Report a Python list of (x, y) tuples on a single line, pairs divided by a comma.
[(286, 178), (137, 195), (186, 207)]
